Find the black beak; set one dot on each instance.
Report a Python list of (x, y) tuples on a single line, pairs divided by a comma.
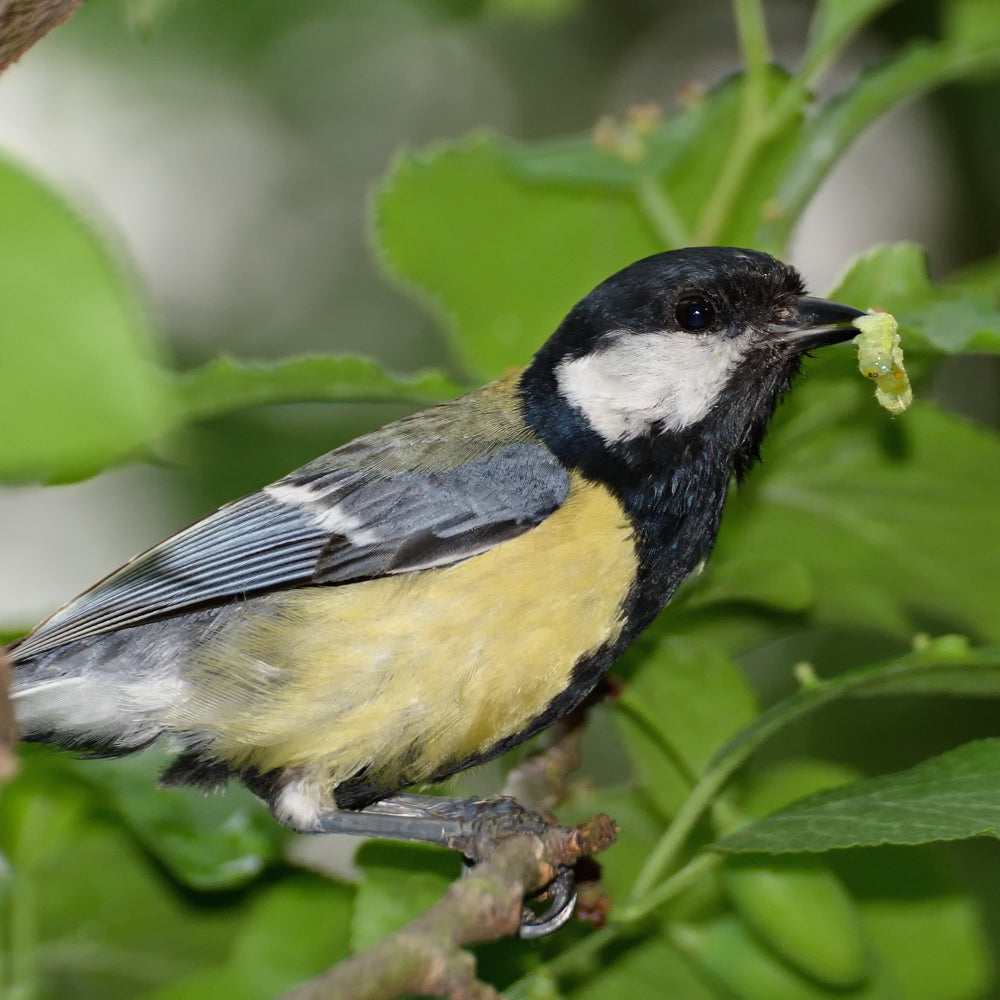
[(819, 323)]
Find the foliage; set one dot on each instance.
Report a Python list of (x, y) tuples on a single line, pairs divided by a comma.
[(793, 877)]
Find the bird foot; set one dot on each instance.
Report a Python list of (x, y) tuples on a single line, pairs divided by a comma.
[(473, 826)]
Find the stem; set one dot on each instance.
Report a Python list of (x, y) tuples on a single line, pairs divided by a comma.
[(579, 957), (974, 673), (830, 30), (750, 130), (729, 760), (683, 823), (727, 187), (661, 213), (693, 872), (756, 49), (917, 673), (826, 138)]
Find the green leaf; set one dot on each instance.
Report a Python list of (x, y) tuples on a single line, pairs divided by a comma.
[(208, 842), (945, 665), (661, 777), (638, 830), (96, 917), (914, 912), (939, 668), (887, 519), (917, 910), (777, 583), (736, 215), (138, 931), (980, 279), (970, 24), (821, 143), (147, 16), (767, 790), (981, 667), (678, 707), (647, 969), (499, 259), (835, 23), (288, 933), (41, 811), (294, 929), (745, 968), (800, 909), (957, 316), (888, 276), (529, 10), (673, 169), (81, 387), (207, 984), (949, 797), (400, 882), (225, 384), (953, 325), (578, 160), (691, 696)]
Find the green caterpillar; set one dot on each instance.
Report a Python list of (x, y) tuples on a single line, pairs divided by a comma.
[(880, 358)]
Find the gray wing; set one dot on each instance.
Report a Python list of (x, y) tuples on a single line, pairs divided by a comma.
[(325, 524)]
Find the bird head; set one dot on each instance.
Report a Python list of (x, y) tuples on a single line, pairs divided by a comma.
[(695, 344)]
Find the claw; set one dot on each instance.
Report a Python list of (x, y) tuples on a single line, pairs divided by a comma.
[(562, 894), (471, 826)]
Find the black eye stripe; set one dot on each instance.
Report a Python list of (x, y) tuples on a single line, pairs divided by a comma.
[(695, 314)]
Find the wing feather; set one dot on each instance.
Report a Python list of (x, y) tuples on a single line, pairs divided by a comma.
[(327, 523)]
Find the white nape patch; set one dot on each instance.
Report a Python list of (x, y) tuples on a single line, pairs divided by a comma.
[(333, 519), (639, 379)]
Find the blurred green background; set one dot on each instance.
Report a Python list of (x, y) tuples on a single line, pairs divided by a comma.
[(229, 152)]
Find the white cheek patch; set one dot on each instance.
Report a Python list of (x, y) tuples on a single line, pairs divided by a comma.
[(641, 379)]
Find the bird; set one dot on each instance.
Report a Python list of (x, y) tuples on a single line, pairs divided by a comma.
[(435, 592)]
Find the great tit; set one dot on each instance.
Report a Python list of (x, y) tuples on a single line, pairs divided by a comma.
[(437, 591)]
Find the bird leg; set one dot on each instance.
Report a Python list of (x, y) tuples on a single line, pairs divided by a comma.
[(472, 826)]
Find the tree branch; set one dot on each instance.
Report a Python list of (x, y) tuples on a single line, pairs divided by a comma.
[(539, 782), (427, 956), (23, 22)]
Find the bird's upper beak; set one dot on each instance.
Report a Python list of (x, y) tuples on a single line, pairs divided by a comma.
[(817, 323)]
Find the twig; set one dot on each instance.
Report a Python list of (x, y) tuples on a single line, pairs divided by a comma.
[(427, 956), (539, 782), (23, 22)]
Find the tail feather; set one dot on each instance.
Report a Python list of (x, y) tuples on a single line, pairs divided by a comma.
[(75, 712), (106, 695)]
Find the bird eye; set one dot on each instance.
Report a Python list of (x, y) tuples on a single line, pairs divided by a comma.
[(695, 314)]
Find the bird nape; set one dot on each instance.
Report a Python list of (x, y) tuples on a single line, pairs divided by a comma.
[(437, 591)]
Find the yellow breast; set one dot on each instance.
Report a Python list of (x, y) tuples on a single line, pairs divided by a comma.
[(406, 674)]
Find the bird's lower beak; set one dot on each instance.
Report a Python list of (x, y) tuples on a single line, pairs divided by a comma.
[(820, 322)]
